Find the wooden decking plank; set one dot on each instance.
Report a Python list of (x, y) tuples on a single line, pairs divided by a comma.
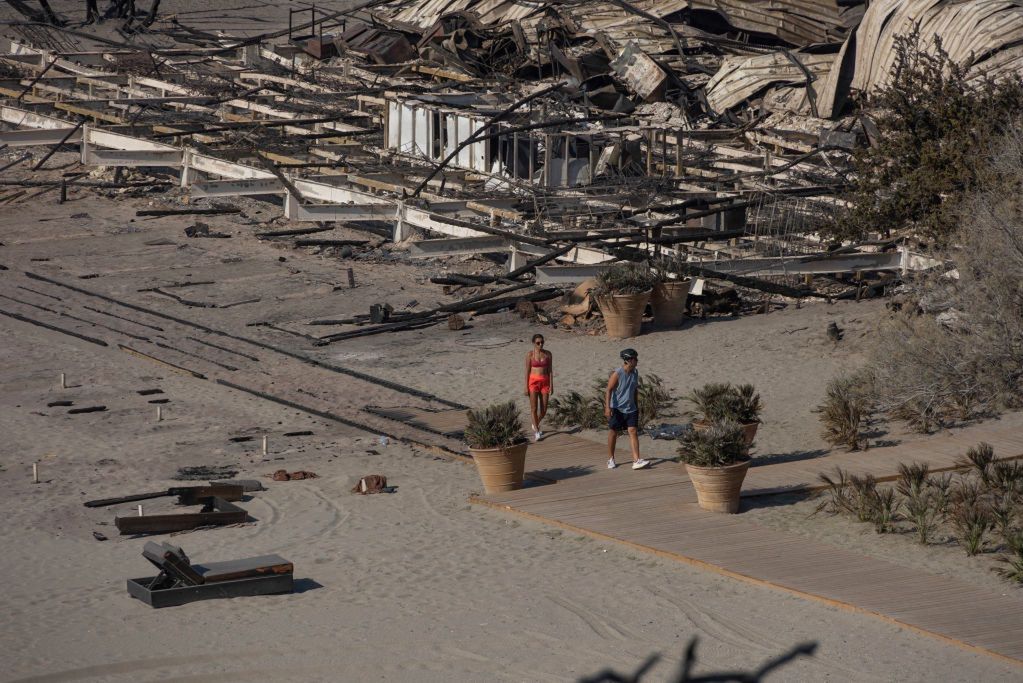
[(656, 510)]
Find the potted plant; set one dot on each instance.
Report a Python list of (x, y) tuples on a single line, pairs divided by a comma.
[(716, 402), (622, 293), (498, 445), (668, 299), (716, 459)]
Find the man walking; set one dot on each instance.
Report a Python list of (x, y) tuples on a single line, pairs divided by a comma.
[(621, 408)]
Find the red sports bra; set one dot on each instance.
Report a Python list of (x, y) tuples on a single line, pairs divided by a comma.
[(533, 363)]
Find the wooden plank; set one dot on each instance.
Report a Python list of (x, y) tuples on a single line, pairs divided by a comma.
[(223, 513), (655, 511)]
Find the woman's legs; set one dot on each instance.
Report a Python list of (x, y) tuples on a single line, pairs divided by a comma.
[(533, 399), (543, 400)]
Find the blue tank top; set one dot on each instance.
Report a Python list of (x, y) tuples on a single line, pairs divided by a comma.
[(623, 398)]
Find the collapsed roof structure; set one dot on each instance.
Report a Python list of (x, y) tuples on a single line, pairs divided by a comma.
[(572, 131)]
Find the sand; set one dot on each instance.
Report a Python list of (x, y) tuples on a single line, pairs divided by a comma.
[(413, 586)]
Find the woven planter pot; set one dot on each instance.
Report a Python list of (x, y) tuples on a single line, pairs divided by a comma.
[(717, 488), (500, 469), (623, 313), (669, 303), (749, 430)]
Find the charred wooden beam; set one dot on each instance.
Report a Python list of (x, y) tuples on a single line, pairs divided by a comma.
[(182, 212), (187, 495), (216, 512)]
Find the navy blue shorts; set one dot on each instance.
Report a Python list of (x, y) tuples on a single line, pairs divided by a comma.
[(619, 420)]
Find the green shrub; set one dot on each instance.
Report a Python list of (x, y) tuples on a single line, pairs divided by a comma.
[(1013, 571), (715, 402), (972, 520), (922, 503), (587, 411), (934, 125), (979, 459), (718, 445), (496, 426)]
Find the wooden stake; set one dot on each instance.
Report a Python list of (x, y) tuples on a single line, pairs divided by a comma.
[(35, 473), (265, 451), (63, 381), (140, 509), (159, 413)]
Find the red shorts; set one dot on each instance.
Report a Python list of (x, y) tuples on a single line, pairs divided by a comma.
[(539, 384)]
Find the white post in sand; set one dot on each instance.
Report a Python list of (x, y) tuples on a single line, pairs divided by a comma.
[(140, 509), (265, 451), (63, 381), (159, 413), (35, 473)]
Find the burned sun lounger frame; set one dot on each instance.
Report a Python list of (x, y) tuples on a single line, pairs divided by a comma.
[(180, 582)]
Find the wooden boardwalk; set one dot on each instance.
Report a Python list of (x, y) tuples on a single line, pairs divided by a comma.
[(655, 510)]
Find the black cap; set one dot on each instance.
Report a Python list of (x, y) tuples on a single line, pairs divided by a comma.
[(629, 354)]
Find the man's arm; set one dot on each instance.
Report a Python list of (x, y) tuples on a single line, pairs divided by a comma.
[(612, 382)]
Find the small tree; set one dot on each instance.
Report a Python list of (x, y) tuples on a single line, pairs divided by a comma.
[(933, 126)]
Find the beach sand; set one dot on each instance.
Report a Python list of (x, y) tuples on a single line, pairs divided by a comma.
[(413, 586)]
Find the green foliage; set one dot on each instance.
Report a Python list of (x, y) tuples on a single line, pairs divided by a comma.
[(922, 502), (843, 412), (860, 496), (625, 278), (576, 410), (716, 402), (886, 507), (941, 487), (587, 411), (495, 426), (934, 125), (972, 520), (719, 444), (1007, 477), (980, 458), (1013, 571)]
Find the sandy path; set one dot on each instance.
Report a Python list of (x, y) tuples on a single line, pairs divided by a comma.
[(412, 586)]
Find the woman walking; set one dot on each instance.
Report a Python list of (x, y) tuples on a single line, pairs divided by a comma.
[(539, 382)]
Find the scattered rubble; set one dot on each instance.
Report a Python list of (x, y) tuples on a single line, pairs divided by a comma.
[(705, 138)]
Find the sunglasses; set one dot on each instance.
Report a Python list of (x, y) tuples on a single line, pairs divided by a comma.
[(538, 343)]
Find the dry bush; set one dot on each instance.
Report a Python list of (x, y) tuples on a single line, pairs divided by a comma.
[(924, 374), (625, 278), (957, 354), (843, 412)]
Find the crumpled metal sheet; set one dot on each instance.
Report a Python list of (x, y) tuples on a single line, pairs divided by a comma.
[(986, 36), (741, 78)]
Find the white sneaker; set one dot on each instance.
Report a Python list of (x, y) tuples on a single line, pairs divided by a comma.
[(536, 436), (640, 464), (611, 464), (539, 435)]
